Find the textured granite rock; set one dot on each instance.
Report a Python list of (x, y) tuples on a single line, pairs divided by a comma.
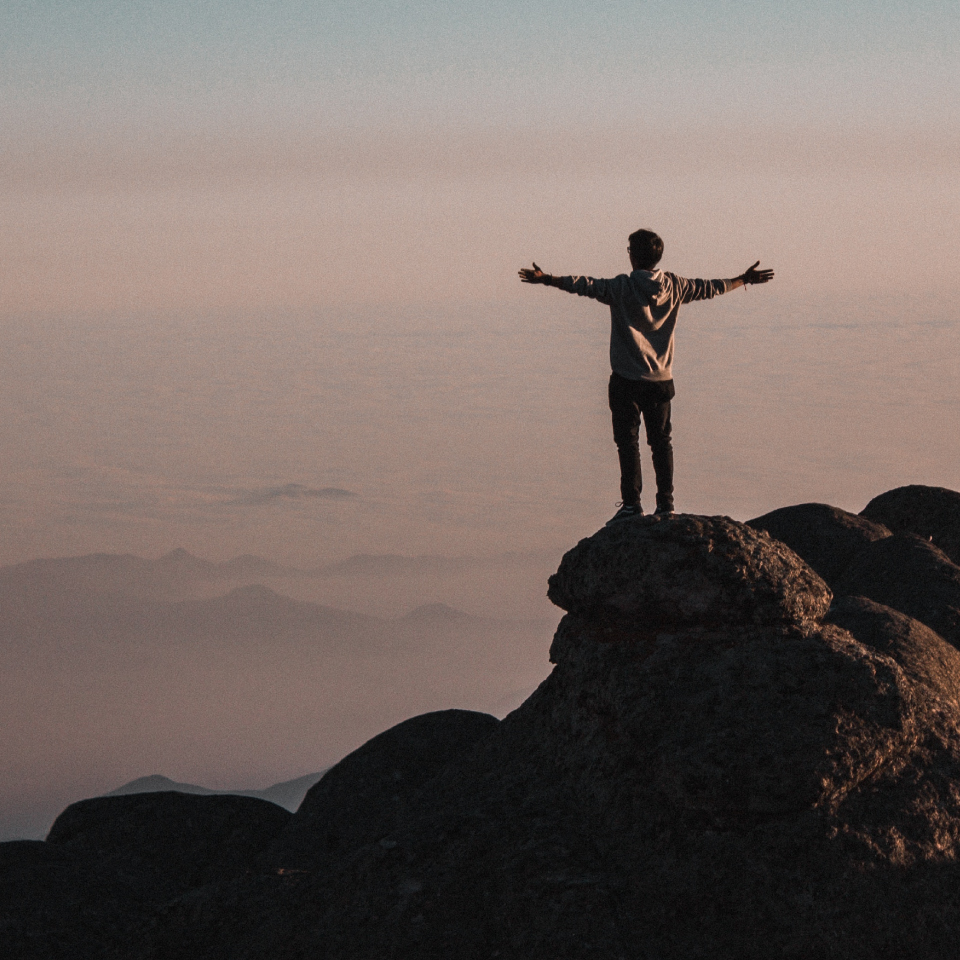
[(170, 842), (826, 537), (357, 800), (932, 513), (912, 576), (924, 655), (55, 905), (717, 767), (741, 786), (671, 572)]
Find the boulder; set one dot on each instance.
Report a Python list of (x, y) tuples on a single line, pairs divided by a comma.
[(912, 576), (357, 800), (663, 573), (167, 843), (57, 905), (826, 537), (923, 655), (932, 513)]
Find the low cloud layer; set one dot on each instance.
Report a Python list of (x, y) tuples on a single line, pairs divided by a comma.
[(293, 491)]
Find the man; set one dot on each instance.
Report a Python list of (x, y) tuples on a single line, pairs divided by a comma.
[(643, 315)]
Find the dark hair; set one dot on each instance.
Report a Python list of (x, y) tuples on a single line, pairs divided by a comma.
[(646, 247)]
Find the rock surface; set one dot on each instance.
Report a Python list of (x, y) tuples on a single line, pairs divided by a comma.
[(722, 764), (932, 513), (826, 537), (110, 862), (684, 571), (912, 576), (171, 842), (357, 800), (924, 655)]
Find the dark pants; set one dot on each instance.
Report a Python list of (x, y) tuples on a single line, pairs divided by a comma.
[(629, 401)]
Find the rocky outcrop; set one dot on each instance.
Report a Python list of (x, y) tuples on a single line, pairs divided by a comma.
[(759, 782), (726, 761), (357, 800), (923, 655), (858, 556), (931, 513), (171, 842), (110, 862), (912, 576), (676, 572), (826, 537)]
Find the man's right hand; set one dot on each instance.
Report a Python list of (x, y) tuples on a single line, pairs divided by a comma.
[(536, 275)]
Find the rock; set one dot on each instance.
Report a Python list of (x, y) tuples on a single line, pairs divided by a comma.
[(912, 576), (673, 572), (742, 786), (356, 801), (826, 537), (55, 904), (729, 774), (110, 862), (924, 655), (169, 842), (932, 513)]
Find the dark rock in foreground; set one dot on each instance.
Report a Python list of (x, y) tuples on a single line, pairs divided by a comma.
[(932, 513), (359, 798), (924, 655), (721, 765), (826, 537), (171, 842), (768, 786), (110, 862), (912, 576)]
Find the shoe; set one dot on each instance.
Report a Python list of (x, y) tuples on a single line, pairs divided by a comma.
[(664, 512), (624, 513)]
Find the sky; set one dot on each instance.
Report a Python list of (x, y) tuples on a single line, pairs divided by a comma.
[(259, 295), (251, 247)]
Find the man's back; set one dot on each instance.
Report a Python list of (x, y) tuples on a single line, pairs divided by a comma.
[(643, 315)]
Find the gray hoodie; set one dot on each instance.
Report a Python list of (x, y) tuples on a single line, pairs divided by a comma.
[(643, 315)]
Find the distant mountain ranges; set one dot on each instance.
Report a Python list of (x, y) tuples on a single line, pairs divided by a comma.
[(287, 794), (93, 644), (170, 574)]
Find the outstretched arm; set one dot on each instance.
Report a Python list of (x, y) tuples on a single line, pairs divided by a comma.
[(751, 275), (536, 275)]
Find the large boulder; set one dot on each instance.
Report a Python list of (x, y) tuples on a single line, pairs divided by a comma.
[(673, 572), (56, 905), (826, 537), (932, 513), (912, 576), (357, 800), (167, 843), (924, 655)]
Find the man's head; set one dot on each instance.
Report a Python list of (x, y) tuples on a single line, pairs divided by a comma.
[(646, 249)]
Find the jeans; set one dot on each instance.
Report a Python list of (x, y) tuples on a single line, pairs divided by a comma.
[(629, 401)]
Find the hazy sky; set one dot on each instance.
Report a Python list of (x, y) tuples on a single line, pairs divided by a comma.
[(247, 245), (258, 294)]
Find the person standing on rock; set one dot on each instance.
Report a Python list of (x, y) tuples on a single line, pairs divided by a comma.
[(643, 314)]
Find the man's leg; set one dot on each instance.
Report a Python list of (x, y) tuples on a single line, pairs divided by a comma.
[(655, 407), (626, 435)]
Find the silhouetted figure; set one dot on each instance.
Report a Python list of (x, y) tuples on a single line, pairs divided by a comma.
[(643, 314)]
